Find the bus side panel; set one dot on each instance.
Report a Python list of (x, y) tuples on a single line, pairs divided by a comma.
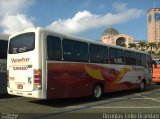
[(77, 80), (68, 80), (120, 78)]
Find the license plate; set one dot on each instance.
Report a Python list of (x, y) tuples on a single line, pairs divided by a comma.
[(19, 86)]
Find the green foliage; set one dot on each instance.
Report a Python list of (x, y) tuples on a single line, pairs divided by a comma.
[(152, 48)]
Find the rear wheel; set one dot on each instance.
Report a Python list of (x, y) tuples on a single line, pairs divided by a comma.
[(97, 92)]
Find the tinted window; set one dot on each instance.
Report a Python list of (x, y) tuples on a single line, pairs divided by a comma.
[(132, 58), (98, 54), (3, 49), (138, 59), (94, 53), (81, 51), (103, 54), (143, 59), (112, 55), (149, 61), (119, 56), (22, 43), (75, 50), (69, 50), (127, 57), (54, 48), (116, 56)]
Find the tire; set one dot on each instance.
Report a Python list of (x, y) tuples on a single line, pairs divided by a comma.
[(143, 85), (97, 92)]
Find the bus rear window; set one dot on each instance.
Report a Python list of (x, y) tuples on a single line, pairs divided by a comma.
[(22, 43)]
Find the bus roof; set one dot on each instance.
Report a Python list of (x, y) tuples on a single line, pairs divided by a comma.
[(51, 32), (4, 36)]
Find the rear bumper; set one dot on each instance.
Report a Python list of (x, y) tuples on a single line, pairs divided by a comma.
[(33, 94)]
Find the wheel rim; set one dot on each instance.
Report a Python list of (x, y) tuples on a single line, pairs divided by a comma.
[(97, 91)]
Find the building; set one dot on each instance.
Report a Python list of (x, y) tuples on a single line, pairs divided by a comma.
[(153, 22), (113, 37)]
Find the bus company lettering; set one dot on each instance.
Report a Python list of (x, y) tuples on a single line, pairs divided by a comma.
[(12, 78), (137, 69), (22, 60), (20, 68)]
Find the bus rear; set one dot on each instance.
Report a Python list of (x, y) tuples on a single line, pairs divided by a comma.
[(24, 71)]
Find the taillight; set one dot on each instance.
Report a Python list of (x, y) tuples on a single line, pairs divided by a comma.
[(37, 72), (37, 81), (38, 78)]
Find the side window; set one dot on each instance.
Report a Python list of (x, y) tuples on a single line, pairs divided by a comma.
[(81, 51), (116, 56), (127, 58), (75, 50), (69, 50), (149, 61), (54, 48), (94, 53), (132, 58), (112, 55), (119, 56), (138, 59), (143, 60), (3, 49), (98, 54), (103, 54)]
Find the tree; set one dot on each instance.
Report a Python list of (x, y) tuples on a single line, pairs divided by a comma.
[(151, 45), (132, 45), (142, 45), (123, 45), (158, 53), (157, 46)]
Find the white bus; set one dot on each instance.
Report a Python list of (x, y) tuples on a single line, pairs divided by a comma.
[(44, 64), (3, 62)]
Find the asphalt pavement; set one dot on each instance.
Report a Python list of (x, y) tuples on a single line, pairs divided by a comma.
[(131, 104)]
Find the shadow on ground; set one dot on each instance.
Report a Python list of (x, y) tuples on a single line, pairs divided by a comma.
[(3, 96), (61, 103)]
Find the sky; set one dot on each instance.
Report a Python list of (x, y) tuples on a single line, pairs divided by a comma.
[(82, 18)]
